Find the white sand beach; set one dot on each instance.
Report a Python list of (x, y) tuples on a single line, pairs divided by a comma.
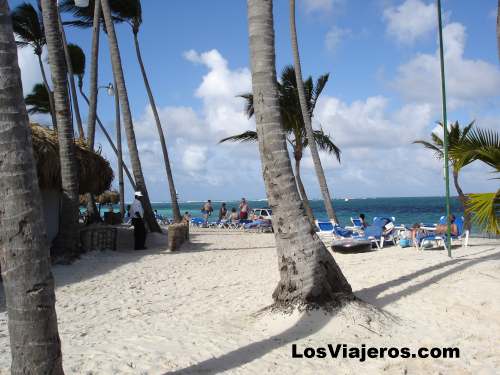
[(196, 310)]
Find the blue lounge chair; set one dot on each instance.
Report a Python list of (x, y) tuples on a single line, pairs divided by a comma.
[(437, 239)]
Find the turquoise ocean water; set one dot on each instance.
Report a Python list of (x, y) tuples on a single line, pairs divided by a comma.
[(407, 210)]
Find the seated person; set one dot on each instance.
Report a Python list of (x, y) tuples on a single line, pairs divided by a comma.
[(362, 218), (417, 233), (234, 216), (186, 218)]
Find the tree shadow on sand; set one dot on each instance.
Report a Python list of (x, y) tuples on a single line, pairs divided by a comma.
[(311, 323)]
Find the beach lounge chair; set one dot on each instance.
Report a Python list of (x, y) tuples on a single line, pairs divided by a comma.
[(197, 222), (438, 239)]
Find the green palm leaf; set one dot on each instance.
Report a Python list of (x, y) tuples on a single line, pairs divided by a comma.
[(248, 136), (38, 100), (485, 209), (27, 24)]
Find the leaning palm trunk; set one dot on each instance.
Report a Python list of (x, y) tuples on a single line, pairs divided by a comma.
[(118, 126), (127, 117), (111, 143), (173, 195), (307, 120), (67, 240), (93, 75), (498, 29), (24, 252), (49, 91), (308, 273), (302, 190), (463, 200), (72, 85)]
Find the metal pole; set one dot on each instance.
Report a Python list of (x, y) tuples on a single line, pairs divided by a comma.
[(445, 131)]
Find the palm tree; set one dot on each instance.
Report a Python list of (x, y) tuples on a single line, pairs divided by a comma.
[(456, 136), (38, 100), (74, 96), (94, 71), (66, 243), (131, 12), (498, 29), (127, 116), (293, 123), (308, 273), (482, 145), (24, 254), (320, 173), (28, 26)]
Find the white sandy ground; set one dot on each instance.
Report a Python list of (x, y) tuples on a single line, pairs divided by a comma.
[(194, 311)]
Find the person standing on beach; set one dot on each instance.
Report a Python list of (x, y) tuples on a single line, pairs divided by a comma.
[(207, 210), (244, 209), (137, 214)]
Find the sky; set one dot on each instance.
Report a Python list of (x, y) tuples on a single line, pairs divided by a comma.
[(383, 92)]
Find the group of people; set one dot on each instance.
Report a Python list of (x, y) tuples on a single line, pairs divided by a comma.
[(235, 215)]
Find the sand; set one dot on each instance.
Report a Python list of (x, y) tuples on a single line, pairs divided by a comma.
[(196, 311)]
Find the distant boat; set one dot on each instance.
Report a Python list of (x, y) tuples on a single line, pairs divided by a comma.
[(346, 200)]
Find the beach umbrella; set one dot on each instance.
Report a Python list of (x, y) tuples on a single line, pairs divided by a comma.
[(445, 129)]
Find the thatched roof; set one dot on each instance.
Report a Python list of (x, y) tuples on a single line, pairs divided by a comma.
[(109, 196), (94, 172)]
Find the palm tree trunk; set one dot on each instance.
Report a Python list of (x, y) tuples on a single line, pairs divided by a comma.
[(498, 29), (307, 120), (49, 91), (112, 144), (94, 66), (24, 252), (302, 191), (127, 117), (308, 273), (66, 243), (72, 85), (173, 194), (121, 187), (463, 200)]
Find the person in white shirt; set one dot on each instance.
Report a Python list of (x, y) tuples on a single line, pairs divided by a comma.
[(137, 214)]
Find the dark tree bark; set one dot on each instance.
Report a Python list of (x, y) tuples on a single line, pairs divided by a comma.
[(309, 274), (463, 200), (51, 94), (24, 251), (94, 68)]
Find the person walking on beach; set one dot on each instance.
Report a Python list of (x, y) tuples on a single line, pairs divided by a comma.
[(244, 209), (222, 212), (137, 214)]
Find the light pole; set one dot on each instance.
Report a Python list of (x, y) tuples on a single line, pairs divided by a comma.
[(445, 129), (110, 89)]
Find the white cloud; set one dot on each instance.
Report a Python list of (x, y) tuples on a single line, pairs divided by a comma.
[(410, 20), (469, 82), (334, 37), (194, 158)]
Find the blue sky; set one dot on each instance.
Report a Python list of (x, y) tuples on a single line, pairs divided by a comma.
[(383, 91)]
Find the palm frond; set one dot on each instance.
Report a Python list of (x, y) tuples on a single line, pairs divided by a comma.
[(318, 89), (27, 25), (249, 109), (437, 151), (480, 144), (77, 57), (248, 136), (325, 143), (485, 209), (38, 100)]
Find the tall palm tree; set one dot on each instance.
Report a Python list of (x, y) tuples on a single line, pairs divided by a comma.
[(320, 173), (293, 123), (308, 273), (38, 100), (66, 243), (77, 62), (28, 27), (456, 136), (72, 86), (94, 71), (131, 12), (24, 252), (121, 90), (498, 29)]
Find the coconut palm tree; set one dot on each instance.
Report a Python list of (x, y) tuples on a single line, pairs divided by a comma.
[(498, 29), (28, 27), (24, 252), (456, 136), (293, 123), (320, 173), (131, 12), (38, 100), (309, 274), (94, 71), (66, 244), (121, 90)]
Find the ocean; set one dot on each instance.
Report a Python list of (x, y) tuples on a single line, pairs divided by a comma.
[(407, 210)]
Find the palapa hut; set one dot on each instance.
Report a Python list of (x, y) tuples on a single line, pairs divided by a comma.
[(94, 173)]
